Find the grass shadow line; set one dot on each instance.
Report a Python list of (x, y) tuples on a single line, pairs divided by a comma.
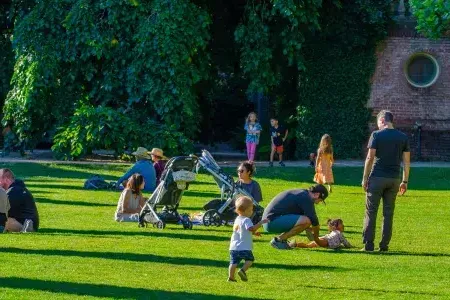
[(153, 258), (103, 290), (154, 233), (386, 253), (71, 202), (371, 290)]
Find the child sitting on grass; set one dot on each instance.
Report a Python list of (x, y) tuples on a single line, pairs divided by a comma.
[(332, 240), (241, 244)]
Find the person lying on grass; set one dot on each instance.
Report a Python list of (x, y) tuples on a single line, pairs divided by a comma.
[(333, 240), (241, 244)]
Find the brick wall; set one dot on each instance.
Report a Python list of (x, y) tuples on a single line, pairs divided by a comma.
[(428, 106)]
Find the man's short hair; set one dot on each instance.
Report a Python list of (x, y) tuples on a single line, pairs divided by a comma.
[(387, 115), (7, 173), (274, 118)]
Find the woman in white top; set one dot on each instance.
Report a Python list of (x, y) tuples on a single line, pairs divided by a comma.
[(131, 200), (333, 240)]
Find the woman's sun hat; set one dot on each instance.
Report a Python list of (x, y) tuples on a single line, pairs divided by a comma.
[(141, 152), (157, 152)]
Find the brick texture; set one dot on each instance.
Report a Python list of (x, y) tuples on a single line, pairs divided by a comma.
[(428, 106)]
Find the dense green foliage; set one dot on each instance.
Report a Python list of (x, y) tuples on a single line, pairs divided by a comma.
[(143, 57), (6, 55), (80, 252), (433, 17), (185, 65), (335, 86)]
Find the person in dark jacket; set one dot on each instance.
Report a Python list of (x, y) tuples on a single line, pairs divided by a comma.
[(23, 215)]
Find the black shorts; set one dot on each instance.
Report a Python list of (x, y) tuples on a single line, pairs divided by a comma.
[(236, 256)]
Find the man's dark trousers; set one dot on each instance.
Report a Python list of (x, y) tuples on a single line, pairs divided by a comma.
[(380, 188)]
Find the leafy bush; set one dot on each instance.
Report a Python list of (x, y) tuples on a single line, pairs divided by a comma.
[(105, 128)]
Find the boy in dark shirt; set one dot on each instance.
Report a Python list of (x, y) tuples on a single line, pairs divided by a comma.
[(278, 135)]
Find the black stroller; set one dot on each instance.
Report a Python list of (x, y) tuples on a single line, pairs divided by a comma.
[(174, 181), (221, 211)]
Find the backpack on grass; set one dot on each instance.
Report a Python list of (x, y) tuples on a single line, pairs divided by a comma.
[(97, 182)]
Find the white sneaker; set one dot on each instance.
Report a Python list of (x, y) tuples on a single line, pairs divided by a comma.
[(28, 226)]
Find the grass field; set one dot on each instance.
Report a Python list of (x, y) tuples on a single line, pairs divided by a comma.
[(80, 252)]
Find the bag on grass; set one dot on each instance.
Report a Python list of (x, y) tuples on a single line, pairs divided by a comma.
[(97, 183)]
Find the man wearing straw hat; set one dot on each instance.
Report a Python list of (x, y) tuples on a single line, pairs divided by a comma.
[(142, 166)]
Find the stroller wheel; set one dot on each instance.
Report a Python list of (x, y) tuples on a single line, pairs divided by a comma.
[(160, 225), (212, 217)]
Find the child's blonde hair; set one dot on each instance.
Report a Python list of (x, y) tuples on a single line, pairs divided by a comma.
[(243, 203), (248, 117), (325, 145)]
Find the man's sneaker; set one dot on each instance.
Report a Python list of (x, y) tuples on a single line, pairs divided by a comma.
[(231, 280), (368, 247), (282, 164), (27, 226), (309, 234), (242, 274), (279, 244), (383, 249), (270, 164)]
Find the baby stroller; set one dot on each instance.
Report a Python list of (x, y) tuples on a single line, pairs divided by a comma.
[(174, 181), (221, 211)]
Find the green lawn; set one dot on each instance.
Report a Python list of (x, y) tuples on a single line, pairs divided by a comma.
[(80, 252)]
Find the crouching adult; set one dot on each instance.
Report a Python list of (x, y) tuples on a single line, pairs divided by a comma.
[(23, 214), (293, 211)]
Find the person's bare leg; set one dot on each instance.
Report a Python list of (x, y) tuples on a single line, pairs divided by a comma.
[(272, 153), (247, 265), (302, 223), (306, 245), (12, 225), (280, 156), (232, 271)]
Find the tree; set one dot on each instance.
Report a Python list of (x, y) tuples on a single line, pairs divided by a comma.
[(433, 17)]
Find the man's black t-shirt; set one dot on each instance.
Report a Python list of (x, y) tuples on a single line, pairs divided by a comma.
[(292, 202), (389, 145), (22, 203), (277, 134)]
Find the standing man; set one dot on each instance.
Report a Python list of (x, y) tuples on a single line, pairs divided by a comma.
[(388, 147), (278, 134), (291, 212), (23, 215)]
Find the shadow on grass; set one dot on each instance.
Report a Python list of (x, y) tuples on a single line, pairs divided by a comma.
[(154, 233), (33, 185), (389, 253), (153, 258), (71, 202), (102, 290), (52, 170), (201, 194), (371, 290)]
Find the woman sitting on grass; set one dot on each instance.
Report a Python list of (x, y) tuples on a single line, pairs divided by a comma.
[(131, 200), (332, 240)]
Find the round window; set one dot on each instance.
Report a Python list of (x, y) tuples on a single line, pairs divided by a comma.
[(422, 70)]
